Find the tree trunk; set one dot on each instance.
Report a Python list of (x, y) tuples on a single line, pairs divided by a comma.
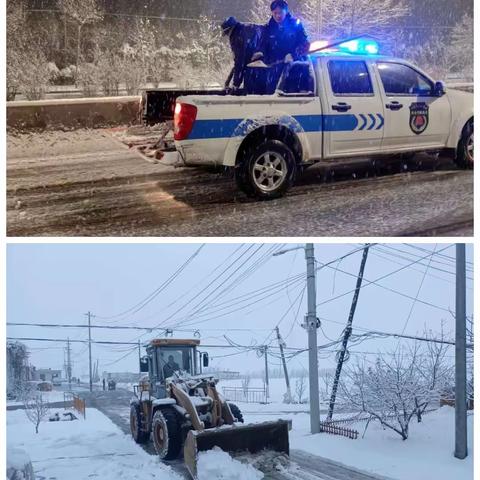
[(36, 428), (79, 38)]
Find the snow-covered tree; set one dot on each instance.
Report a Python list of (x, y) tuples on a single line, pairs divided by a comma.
[(81, 12), (300, 387), (386, 390), (36, 409), (460, 51), (259, 12), (344, 18)]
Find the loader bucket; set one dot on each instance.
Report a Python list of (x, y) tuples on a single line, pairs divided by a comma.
[(236, 438)]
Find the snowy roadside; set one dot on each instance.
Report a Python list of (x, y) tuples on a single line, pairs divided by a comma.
[(49, 397), (428, 452), (81, 449)]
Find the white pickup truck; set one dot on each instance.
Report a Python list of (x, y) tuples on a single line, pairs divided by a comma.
[(336, 105)]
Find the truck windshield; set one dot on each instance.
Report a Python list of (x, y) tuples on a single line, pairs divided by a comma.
[(174, 359)]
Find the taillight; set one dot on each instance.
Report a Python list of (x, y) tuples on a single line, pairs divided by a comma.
[(183, 120)]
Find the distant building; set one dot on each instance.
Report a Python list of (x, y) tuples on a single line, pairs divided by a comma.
[(47, 375), (122, 377)]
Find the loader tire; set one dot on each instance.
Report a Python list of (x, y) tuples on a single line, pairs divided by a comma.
[(166, 434), (236, 412), (139, 435)]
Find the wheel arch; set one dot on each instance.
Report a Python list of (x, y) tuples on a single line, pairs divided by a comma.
[(457, 130), (284, 128)]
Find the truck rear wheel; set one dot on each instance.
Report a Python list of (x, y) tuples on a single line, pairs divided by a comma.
[(267, 171), (166, 434), (464, 157), (139, 435)]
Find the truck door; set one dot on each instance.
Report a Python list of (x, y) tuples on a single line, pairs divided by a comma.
[(415, 118), (353, 116)]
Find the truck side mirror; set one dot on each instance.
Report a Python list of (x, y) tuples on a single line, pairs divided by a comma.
[(205, 359), (144, 364), (439, 89)]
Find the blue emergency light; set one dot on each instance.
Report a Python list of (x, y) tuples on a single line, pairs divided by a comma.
[(359, 45)]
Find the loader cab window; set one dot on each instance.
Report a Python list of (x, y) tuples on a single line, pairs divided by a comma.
[(171, 360)]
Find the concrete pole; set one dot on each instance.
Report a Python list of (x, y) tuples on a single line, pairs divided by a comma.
[(267, 389), (284, 363), (69, 365), (89, 315), (139, 360), (311, 326), (460, 356)]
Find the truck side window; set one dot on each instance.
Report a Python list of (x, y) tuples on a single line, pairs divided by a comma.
[(400, 79), (349, 77)]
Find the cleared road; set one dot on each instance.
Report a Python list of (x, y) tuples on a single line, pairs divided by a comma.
[(300, 465), (85, 183)]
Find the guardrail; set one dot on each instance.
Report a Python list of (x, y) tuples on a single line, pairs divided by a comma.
[(247, 395)]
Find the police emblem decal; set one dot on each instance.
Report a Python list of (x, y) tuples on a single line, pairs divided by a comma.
[(418, 117)]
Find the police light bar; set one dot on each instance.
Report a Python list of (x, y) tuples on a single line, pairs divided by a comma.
[(360, 45)]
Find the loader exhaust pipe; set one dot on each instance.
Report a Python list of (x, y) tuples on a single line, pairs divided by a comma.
[(251, 438)]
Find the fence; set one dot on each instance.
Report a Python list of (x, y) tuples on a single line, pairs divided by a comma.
[(328, 427), (247, 395), (76, 402)]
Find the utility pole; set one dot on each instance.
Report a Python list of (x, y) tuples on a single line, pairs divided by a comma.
[(460, 356), (69, 365), (346, 333), (265, 353), (139, 360), (89, 315), (311, 324), (285, 371)]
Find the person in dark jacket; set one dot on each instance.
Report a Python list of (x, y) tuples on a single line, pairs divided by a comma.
[(284, 37), (284, 40), (244, 41)]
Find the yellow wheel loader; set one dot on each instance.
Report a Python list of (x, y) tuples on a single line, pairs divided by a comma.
[(181, 409)]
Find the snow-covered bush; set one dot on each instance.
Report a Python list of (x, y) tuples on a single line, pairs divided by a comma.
[(87, 79), (19, 466), (301, 387)]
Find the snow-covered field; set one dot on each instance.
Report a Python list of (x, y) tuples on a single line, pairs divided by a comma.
[(428, 452), (82, 449)]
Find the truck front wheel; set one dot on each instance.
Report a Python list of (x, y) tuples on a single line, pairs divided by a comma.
[(139, 435), (267, 170), (464, 157)]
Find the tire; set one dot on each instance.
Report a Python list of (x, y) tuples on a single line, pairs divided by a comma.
[(166, 434), (139, 435), (464, 157), (267, 170), (236, 412)]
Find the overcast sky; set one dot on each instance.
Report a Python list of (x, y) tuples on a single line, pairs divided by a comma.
[(59, 283)]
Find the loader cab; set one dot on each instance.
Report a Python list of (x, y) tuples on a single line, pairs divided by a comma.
[(167, 357)]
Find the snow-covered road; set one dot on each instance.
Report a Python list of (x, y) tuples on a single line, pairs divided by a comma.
[(301, 466), (88, 183)]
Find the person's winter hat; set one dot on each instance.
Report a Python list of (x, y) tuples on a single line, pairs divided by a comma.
[(229, 24), (279, 4)]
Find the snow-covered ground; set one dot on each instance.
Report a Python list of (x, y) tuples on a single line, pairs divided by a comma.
[(81, 449), (50, 397), (428, 452)]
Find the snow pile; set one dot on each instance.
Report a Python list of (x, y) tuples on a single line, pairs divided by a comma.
[(19, 466), (218, 465)]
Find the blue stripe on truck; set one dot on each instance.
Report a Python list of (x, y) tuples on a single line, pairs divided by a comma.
[(210, 129)]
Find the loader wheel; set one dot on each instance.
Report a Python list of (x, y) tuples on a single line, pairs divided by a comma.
[(236, 412), (139, 435), (464, 157), (166, 434), (267, 171)]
